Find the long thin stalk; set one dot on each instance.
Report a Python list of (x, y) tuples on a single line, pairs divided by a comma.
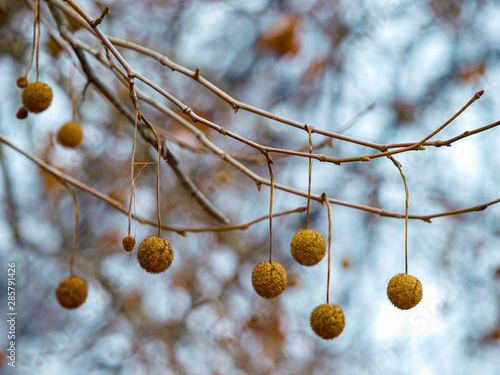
[(310, 173), (328, 206), (75, 231), (271, 176)]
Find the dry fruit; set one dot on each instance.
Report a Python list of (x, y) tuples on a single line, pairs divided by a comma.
[(404, 291), (308, 247), (22, 82), (22, 113), (128, 243), (269, 279), (37, 97), (71, 292), (327, 321), (155, 254), (70, 134)]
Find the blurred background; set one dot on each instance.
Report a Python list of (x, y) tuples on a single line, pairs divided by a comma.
[(381, 71)]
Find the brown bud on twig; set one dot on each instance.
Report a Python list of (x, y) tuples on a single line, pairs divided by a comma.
[(99, 20)]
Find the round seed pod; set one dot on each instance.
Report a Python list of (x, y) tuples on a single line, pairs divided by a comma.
[(404, 291), (22, 82), (37, 97), (155, 254), (22, 113), (70, 134), (71, 292), (128, 243), (308, 247), (269, 279), (327, 321)]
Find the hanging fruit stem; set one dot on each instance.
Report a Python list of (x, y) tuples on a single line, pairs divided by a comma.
[(75, 232), (310, 173), (271, 177), (407, 205), (159, 148), (328, 206), (132, 177)]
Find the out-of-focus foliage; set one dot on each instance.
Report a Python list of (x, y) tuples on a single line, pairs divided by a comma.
[(412, 63)]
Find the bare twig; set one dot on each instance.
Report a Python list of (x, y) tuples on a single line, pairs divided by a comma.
[(263, 149), (117, 205)]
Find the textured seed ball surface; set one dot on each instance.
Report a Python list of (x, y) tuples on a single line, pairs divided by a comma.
[(308, 247), (404, 291), (70, 134), (37, 97), (269, 279), (128, 243), (71, 292), (155, 254), (327, 321)]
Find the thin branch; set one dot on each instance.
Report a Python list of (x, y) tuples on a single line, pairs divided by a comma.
[(261, 181), (119, 206), (185, 181), (236, 105)]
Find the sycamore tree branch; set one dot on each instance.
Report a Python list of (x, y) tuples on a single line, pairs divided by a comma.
[(146, 134), (266, 150), (120, 207), (82, 17)]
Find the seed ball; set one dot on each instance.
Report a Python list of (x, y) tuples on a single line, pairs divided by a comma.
[(327, 321), (22, 82), (269, 279), (37, 97), (128, 243), (70, 134), (308, 247), (155, 254), (404, 291), (22, 113), (71, 292)]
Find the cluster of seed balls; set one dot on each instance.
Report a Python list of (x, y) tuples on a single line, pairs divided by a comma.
[(155, 254), (308, 248), (269, 280), (36, 98)]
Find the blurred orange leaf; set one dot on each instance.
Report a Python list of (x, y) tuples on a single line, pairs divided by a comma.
[(282, 36)]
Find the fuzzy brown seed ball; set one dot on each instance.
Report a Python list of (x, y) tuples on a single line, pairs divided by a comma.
[(22, 82), (404, 291), (71, 292), (128, 243), (327, 321), (22, 113), (70, 134), (37, 97), (155, 254), (269, 279), (308, 247)]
